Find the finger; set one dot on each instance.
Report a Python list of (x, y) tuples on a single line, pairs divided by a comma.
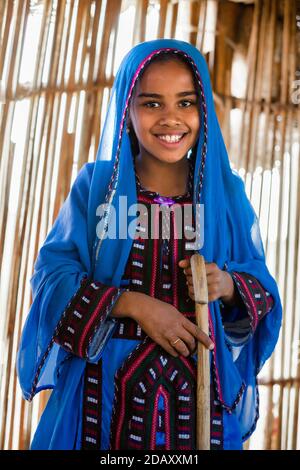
[(184, 263), (212, 297), (191, 295), (217, 275), (188, 271), (211, 273), (180, 346), (212, 286), (199, 334), (188, 339), (204, 338), (213, 280), (211, 268), (189, 280), (191, 289), (170, 349), (213, 291)]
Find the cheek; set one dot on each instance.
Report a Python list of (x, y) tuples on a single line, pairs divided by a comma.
[(195, 120), (142, 123)]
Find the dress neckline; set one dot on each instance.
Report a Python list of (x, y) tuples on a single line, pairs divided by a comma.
[(166, 199)]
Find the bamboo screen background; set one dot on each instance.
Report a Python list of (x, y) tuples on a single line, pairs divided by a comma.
[(57, 63)]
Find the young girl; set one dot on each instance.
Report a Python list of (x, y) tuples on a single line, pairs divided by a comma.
[(112, 325)]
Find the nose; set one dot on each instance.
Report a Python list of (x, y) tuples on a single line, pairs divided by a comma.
[(170, 121), (170, 118)]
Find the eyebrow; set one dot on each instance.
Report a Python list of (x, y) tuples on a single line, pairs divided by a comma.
[(156, 95)]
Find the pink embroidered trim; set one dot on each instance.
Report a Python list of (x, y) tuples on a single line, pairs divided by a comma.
[(128, 373), (212, 334), (155, 252), (250, 299), (175, 261), (91, 320), (161, 391)]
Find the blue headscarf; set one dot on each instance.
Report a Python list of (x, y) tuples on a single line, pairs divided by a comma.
[(72, 249)]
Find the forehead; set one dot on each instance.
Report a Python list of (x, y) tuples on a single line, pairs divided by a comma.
[(171, 74)]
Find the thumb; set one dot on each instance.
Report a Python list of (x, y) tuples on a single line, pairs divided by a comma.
[(183, 263)]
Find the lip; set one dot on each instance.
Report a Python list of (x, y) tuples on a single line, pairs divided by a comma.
[(177, 132), (171, 144)]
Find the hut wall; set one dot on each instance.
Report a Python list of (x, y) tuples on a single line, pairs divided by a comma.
[(58, 59)]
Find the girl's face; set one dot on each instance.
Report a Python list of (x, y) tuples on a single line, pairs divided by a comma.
[(165, 111)]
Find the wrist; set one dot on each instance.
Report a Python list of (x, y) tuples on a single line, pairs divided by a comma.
[(229, 292), (121, 306), (127, 305), (136, 304)]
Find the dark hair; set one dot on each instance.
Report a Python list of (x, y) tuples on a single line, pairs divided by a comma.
[(163, 57)]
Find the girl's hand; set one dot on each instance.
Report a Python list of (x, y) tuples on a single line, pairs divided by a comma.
[(164, 324), (219, 283)]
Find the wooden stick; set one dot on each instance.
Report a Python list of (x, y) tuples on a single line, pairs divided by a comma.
[(203, 371)]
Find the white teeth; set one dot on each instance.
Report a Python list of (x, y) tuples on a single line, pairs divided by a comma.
[(170, 138)]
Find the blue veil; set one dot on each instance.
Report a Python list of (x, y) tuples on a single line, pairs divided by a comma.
[(72, 250)]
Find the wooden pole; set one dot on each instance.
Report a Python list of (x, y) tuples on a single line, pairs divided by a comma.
[(203, 370)]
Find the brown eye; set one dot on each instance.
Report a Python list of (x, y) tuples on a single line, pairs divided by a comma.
[(151, 104), (187, 103)]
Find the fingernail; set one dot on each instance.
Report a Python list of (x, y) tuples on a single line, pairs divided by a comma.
[(211, 346)]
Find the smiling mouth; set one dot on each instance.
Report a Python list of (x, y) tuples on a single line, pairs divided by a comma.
[(170, 139)]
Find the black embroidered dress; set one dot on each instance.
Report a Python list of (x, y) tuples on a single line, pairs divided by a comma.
[(152, 393)]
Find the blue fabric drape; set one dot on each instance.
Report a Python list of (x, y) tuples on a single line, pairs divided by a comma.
[(72, 249)]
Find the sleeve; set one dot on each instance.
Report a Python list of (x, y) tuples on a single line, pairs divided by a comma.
[(86, 325), (64, 260), (256, 302)]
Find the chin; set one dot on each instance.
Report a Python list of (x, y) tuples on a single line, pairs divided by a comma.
[(167, 159), (172, 159), (167, 156)]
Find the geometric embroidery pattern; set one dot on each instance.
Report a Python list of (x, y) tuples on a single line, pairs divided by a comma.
[(92, 406), (257, 300), (87, 311), (154, 404), (154, 393)]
